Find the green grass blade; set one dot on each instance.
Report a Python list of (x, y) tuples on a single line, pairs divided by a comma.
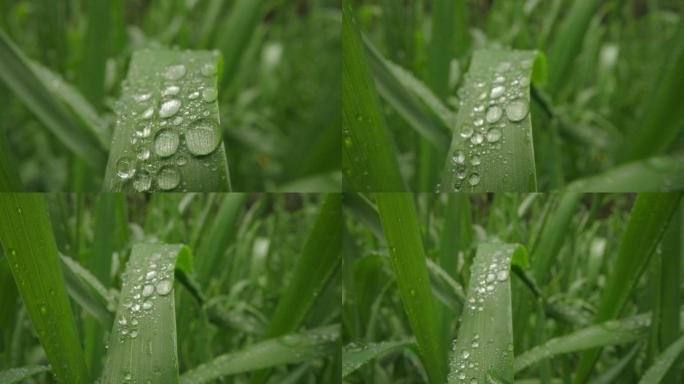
[(567, 45), (17, 375), (662, 364), (663, 116), (492, 149), (91, 74), (16, 71), (88, 292), (142, 346), (368, 156), (355, 356), (9, 178), (648, 220), (288, 349), (168, 136), (657, 174), (400, 225), (29, 246), (485, 337), (613, 332), (612, 374)]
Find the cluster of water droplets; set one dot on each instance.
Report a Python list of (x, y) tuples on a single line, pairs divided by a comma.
[(171, 125), (154, 279), (500, 105)]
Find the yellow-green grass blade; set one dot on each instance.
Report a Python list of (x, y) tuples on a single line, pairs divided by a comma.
[(30, 248), (369, 161), (662, 364), (17, 72), (663, 117), (18, 375), (648, 220), (483, 349), (407, 255), (656, 174), (492, 149), (289, 349), (142, 345), (168, 136), (354, 356)]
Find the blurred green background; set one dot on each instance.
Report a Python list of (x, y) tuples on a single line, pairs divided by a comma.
[(279, 93)]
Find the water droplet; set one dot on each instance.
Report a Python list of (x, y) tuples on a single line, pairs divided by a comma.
[(171, 90), (150, 275), (490, 277), (166, 143), (458, 157), (478, 122), (477, 139), (148, 290), (148, 113), (164, 287), (497, 91), (494, 114), (502, 275), (142, 97), (134, 334), (208, 69), (169, 108), (168, 178), (194, 95), (143, 153), (475, 159), (474, 179), (175, 72), (147, 305), (209, 94), (203, 137), (467, 132), (516, 110), (493, 135), (125, 168), (142, 181)]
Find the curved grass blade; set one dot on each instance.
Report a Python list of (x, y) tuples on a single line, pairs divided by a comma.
[(400, 225), (168, 136), (491, 149), (613, 373), (485, 337), (88, 292), (17, 375), (648, 220), (17, 72), (355, 356), (30, 248), (663, 363), (657, 174), (288, 349), (142, 344), (368, 156)]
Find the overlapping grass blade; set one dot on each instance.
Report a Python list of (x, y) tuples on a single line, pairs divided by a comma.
[(662, 364), (288, 349), (648, 220), (16, 71), (491, 148), (17, 375), (142, 344), (485, 337), (29, 245), (368, 156), (355, 356), (657, 174), (88, 292), (168, 136), (400, 225), (662, 118)]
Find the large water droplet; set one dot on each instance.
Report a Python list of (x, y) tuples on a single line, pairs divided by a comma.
[(148, 290), (497, 91), (169, 108), (142, 182), (166, 143), (477, 139), (494, 114), (168, 178), (164, 287), (203, 137), (502, 275), (493, 135), (125, 168), (175, 72), (209, 94), (458, 157), (467, 132), (516, 110)]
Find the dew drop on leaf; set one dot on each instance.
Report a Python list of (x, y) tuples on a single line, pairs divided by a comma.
[(203, 137), (125, 168), (166, 143), (169, 108), (516, 110), (175, 72), (168, 178)]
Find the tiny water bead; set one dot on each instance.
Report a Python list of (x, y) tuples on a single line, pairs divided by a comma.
[(493, 135), (494, 114), (458, 157), (142, 182), (474, 179), (516, 110), (148, 290), (502, 275), (143, 154), (142, 97), (169, 108), (475, 159), (497, 91), (467, 132), (164, 287), (175, 72), (477, 139), (166, 143), (149, 112), (203, 137), (209, 95), (193, 95), (171, 90), (168, 178), (125, 168), (181, 161)]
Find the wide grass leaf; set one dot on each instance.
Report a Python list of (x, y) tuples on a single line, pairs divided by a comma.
[(483, 349), (492, 149), (407, 255), (168, 136), (30, 248), (288, 349), (17, 375), (368, 154), (17, 72), (663, 363), (9, 177), (355, 356), (142, 345)]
